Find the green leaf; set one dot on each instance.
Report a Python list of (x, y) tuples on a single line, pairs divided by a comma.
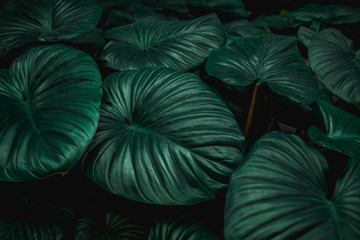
[(280, 193), (179, 45), (110, 225), (305, 35), (235, 7), (272, 21), (270, 59), (25, 21), (242, 28), (334, 62), (331, 14), (49, 110), (342, 130), (164, 138), (183, 227), (34, 221)]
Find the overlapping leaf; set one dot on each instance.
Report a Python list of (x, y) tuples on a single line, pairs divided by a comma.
[(178, 45), (334, 62), (342, 129), (183, 227), (280, 193), (235, 7), (163, 138), (24, 21), (49, 110), (270, 59)]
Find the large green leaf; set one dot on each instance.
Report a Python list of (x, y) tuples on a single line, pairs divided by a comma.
[(270, 59), (235, 7), (334, 62), (342, 129), (183, 227), (109, 226), (178, 45), (25, 21), (332, 14), (49, 110), (163, 138), (280, 193)]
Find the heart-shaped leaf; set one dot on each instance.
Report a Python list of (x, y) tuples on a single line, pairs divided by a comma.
[(49, 110), (334, 62), (332, 14), (183, 227), (280, 193), (178, 45), (163, 137), (270, 59), (342, 129), (25, 21)]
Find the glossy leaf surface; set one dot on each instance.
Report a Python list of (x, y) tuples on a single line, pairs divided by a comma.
[(183, 227), (49, 110), (332, 14), (280, 193), (270, 59), (342, 129), (334, 62), (163, 138), (178, 45), (25, 21)]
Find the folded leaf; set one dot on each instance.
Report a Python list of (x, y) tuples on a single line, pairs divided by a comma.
[(179, 45), (270, 59), (342, 129), (280, 193), (163, 137), (25, 21), (333, 60), (49, 110)]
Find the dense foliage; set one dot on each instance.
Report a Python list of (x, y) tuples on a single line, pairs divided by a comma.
[(181, 119)]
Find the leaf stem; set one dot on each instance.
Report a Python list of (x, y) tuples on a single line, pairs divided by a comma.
[(251, 110)]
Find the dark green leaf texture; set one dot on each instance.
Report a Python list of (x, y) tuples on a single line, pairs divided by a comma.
[(163, 138), (305, 35), (113, 226), (332, 59), (342, 130), (35, 222), (49, 110), (25, 21), (183, 227), (179, 45), (270, 59), (332, 14), (280, 193)]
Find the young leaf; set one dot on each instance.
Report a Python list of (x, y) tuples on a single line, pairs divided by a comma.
[(334, 62), (46, 20), (342, 130), (270, 59), (164, 138), (179, 45), (49, 110), (280, 193), (332, 14), (183, 227)]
